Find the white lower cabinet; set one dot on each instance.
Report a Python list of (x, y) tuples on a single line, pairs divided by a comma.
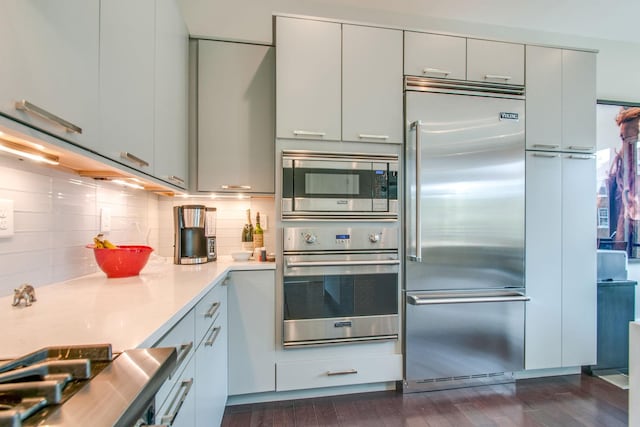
[(305, 374), (211, 358), (560, 260), (251, 332), (180, 408), (196, 392)]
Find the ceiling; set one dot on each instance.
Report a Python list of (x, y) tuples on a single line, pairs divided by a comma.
[(602, 19)]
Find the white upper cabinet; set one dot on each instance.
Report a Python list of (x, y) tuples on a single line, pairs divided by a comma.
[(544, 98), (495, 62), (578, 101), (561, 99), (371, 84), (127, 38), (49, 52), (236, 101), (308, 79), (434, 55), (171, 94)]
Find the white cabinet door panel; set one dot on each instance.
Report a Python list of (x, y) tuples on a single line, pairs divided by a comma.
[(371, 84), (543, 337), (251, 313), (211, 368), (236, 117), (544, 98), (579, 100), (171, 94), (495, 62), (579, 291), (50, 58), (305, 374), (308, 79), (435, 55), (127, 43)]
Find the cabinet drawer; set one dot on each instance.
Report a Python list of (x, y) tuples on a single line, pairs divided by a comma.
[(434, 55), (208, 309), (298, 375), (181, 337), (178, 409), (495, 62)]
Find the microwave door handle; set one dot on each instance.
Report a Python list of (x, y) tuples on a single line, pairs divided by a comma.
[(293, 264), (417, 253)]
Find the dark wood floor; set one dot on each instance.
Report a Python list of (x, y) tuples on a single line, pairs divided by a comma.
[(573, 400)]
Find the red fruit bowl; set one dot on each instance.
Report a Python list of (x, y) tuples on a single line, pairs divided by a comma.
[(124, 261)]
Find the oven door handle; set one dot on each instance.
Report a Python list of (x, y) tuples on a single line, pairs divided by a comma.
[(341, 263), (457, 298)]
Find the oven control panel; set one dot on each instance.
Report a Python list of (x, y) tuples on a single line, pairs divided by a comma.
[(335, 238)]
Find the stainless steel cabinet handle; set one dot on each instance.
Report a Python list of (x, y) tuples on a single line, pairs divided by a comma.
[(581, 147), (435, 71), (182, 353), (308, 133), (175, 178), (417, 255), (549, 146), (466, 298), (235, 187), (346, 372), (580, 157), (370, 136), (176, 403), (214, 335), (496, 77), (341, 263), (546, 155), (212, 310), (25, 105), (134, 159)]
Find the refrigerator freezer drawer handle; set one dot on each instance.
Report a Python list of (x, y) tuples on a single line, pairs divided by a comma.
[(416, 300)]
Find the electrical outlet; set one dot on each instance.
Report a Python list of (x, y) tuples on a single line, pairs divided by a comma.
[(6, 218), (105, 220), (264, 222)]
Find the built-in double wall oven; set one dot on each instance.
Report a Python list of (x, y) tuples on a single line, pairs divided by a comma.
[(340, 248)]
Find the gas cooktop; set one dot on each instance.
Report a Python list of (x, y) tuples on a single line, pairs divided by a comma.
[(82, 385)]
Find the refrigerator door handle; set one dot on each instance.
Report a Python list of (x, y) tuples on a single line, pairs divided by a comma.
[(417, 254), (471, 297)]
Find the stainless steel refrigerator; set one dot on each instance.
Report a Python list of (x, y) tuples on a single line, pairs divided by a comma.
[(464, 234)]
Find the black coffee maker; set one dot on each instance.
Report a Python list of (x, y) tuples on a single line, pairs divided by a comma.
[(190, 238)]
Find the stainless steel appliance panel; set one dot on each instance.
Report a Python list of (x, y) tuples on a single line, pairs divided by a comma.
[(450, 335), (340, 238), (339, 185), (464, 192), (340, 284)]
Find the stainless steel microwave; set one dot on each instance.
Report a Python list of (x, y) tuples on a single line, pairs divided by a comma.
[(336, 185)]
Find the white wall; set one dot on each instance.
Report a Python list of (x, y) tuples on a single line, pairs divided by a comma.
[(618, 62), (57, 213)]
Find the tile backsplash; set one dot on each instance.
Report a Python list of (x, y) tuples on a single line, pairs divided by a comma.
[(57, 213)]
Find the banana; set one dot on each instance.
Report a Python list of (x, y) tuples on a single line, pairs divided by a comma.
[(107, 244), (98, 243), (102, 243)]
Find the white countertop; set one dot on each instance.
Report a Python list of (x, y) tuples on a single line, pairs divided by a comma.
[(127, 312)]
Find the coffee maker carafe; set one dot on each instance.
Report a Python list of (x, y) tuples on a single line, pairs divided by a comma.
[(190, 238)]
